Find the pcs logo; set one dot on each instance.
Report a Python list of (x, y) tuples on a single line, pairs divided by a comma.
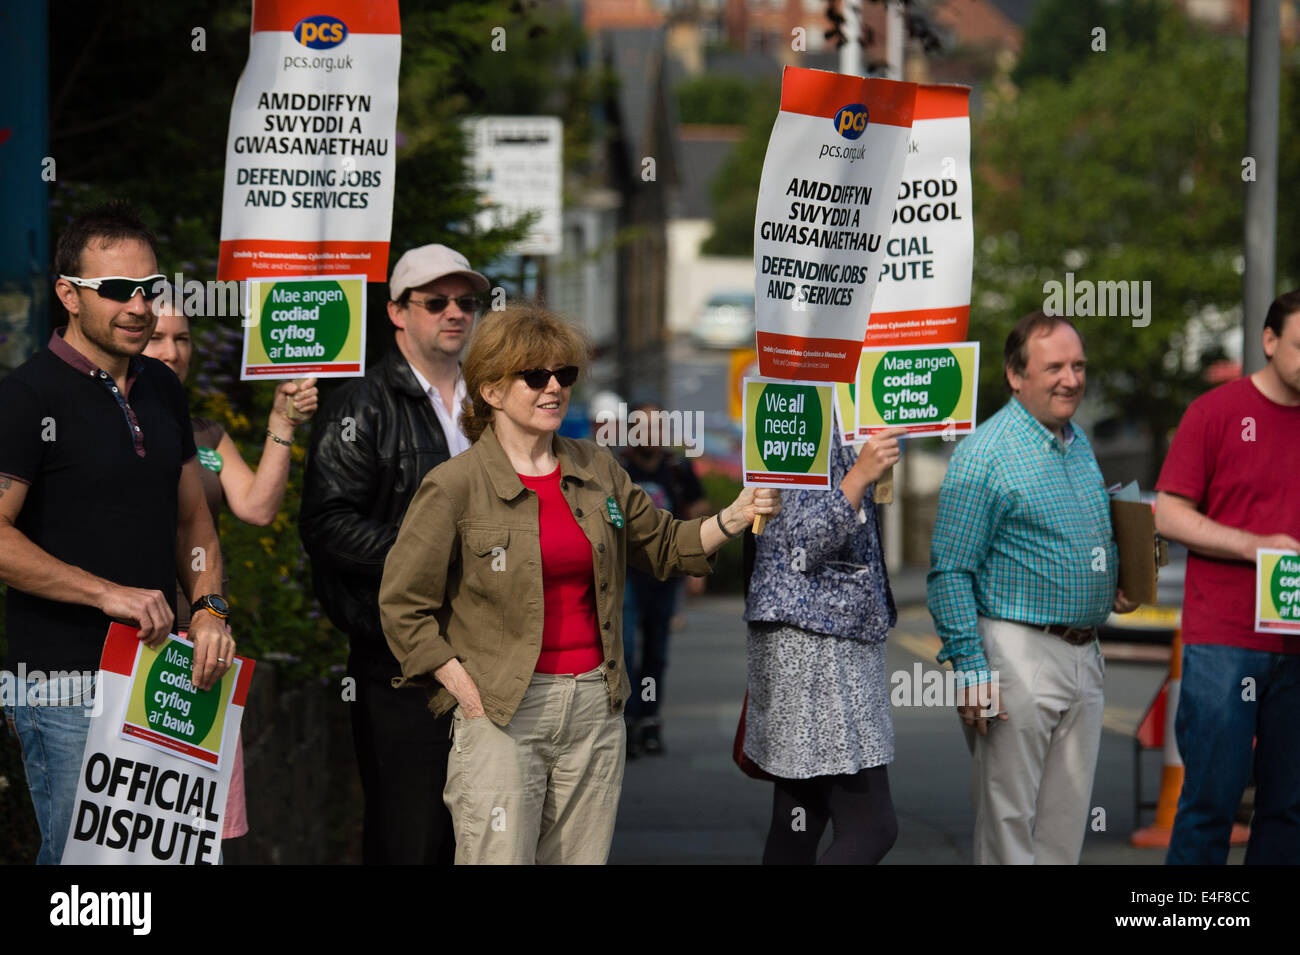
[(851, 120), (320, 32)]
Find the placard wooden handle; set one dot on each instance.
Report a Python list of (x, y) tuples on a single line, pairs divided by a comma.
[(291, 410), (760, 522), (885, 487)]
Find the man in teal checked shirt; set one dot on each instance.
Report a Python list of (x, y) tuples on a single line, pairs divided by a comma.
[(1023, 567)]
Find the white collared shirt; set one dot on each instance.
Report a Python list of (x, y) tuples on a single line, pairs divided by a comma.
[(449, 419)]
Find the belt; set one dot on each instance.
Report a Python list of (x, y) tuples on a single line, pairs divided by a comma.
[(1076, 636)]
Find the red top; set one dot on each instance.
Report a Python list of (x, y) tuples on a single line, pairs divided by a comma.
[(1236, 456), (570, 628)]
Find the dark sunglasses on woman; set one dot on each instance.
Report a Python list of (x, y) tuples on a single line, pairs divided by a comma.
[(539, 378)]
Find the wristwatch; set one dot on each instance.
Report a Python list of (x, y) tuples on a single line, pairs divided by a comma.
[(214, 604)]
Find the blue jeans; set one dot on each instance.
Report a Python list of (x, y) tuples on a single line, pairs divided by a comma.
[(1218, 718), (51, 719), (654, 603)]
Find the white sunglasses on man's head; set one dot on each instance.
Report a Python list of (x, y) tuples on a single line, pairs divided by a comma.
[(119, 288)]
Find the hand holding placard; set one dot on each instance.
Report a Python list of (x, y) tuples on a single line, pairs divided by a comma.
[(917, 389), (304, 325), (884, 493), (755, 506), (300, 400), (876, 458), (787, 436)]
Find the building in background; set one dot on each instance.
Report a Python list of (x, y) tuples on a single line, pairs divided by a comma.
[(641, 169)]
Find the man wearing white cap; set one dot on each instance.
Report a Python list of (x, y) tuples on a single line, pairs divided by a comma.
[(372, 445)]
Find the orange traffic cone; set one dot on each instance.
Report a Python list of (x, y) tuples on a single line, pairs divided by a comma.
[(1156, 835)]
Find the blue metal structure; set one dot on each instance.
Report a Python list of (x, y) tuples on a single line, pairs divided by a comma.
[(24, 188)]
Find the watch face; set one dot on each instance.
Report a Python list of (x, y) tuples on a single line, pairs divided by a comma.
[(218, 604)]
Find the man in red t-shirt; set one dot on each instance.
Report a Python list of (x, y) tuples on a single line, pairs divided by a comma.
[(1230, 486)]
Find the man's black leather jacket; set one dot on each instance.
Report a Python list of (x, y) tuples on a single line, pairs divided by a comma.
[(371, 446)]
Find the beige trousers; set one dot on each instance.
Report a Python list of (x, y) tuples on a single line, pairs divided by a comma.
[(1031, 778), (544, 788)]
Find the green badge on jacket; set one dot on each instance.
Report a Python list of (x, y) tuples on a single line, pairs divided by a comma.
[(614, 514), (210, 459)]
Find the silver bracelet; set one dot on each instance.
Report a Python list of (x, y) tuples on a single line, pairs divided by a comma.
[(277, 439), (722, 527)]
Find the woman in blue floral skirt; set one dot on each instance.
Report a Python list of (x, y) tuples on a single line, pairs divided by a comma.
[(818, 721)]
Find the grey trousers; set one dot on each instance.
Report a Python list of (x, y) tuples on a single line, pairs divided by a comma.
[(544, 788), (1031, 776)]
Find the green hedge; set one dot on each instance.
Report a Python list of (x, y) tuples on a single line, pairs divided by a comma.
[(728, 574)]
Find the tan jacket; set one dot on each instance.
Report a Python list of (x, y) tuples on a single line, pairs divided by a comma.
[(464, 578)]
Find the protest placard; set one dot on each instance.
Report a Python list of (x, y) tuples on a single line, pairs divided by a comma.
[(923, 294), (924, 290), (305, 326), (924, 388), (310, 155), (832, 169), (156, 768), (1277, 591), (787, 434), (846, 411)]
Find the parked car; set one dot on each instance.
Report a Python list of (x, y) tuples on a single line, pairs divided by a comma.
[(726, 321)]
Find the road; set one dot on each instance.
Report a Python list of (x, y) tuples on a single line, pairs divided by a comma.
[(697, 378), (692, 805)]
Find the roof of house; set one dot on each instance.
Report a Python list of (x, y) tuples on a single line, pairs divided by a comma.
[(701, 151), (977, 23), (637, 58)]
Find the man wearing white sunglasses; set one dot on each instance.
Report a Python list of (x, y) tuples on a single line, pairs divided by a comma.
[(101, 507)]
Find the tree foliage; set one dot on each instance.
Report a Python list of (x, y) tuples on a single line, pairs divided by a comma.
[(735, 187), (1130, 171), (1060, 37), (714, 98)]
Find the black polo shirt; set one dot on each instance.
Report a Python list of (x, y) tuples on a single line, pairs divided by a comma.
[(102, 471)]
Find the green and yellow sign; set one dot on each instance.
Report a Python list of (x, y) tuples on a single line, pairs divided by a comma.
[(927, 389), (846, 411), (301, 327), (787, 434), (166, 711), (1277, 592)]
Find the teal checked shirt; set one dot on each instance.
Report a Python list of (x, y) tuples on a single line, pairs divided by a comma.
[(1023, 533)]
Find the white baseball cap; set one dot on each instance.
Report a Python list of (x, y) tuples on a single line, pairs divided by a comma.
[(428, 263)]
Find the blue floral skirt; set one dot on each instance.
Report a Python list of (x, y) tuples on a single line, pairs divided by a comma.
[(818, 705)]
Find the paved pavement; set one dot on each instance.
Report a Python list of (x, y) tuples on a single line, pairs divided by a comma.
[(692, 805)]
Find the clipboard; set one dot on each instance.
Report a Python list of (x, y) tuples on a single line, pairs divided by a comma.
[(1141, 551)]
